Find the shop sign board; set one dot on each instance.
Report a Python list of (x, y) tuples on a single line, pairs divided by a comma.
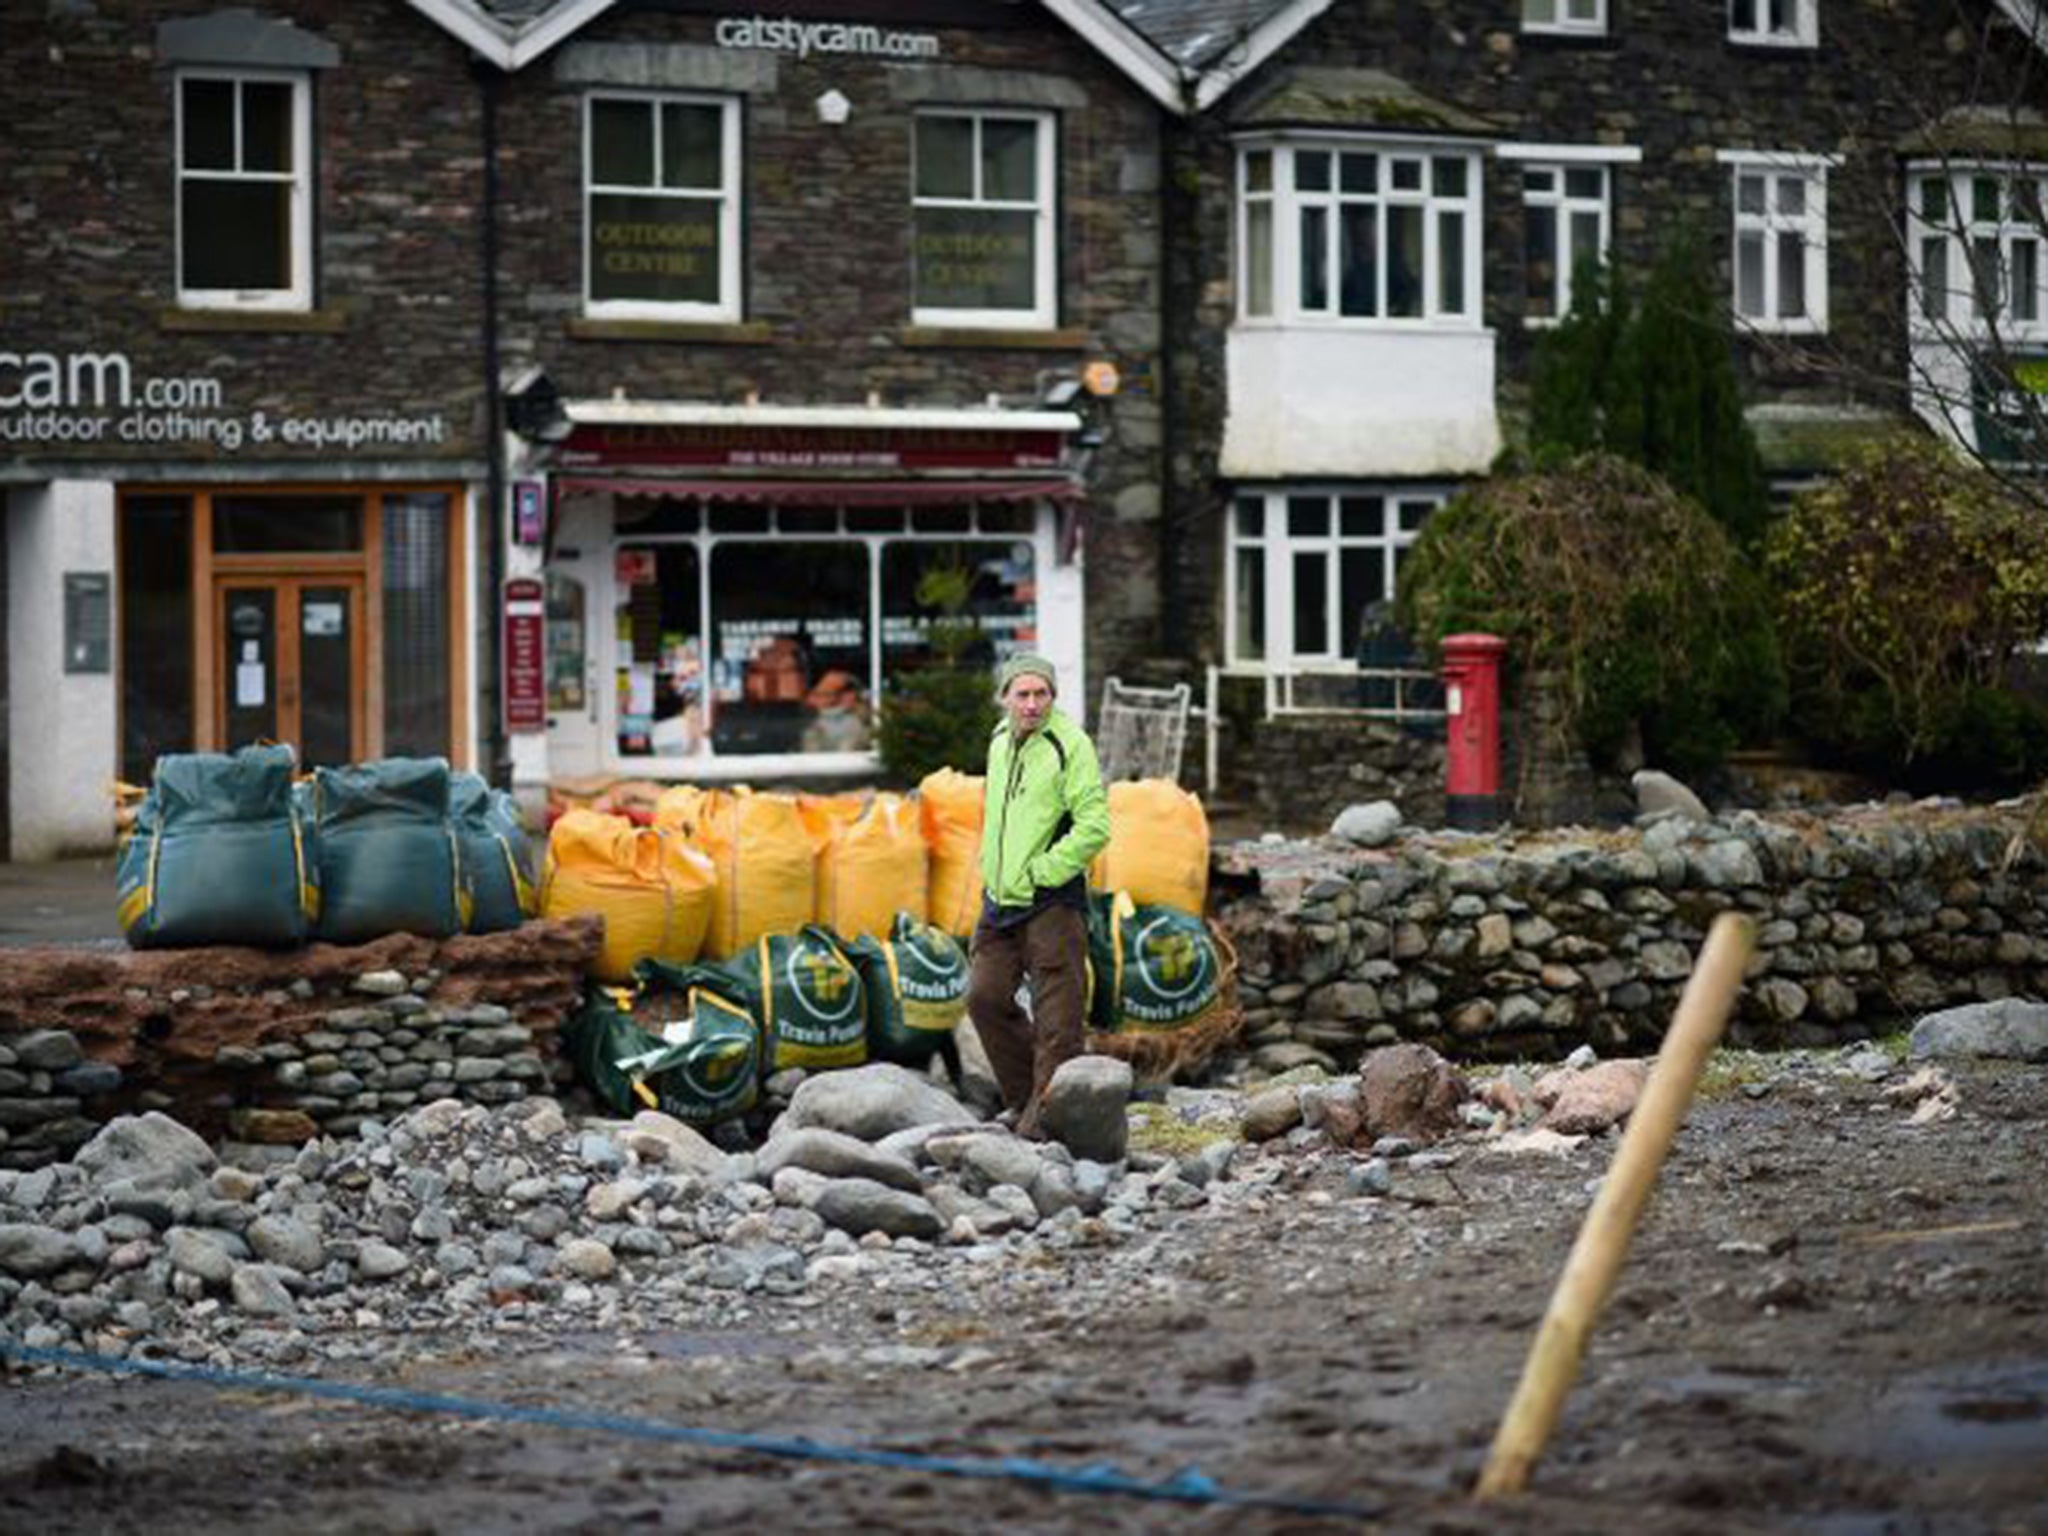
[(696, 445), (525, 653)]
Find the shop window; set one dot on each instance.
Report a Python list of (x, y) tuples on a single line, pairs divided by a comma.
[(566, 605), (983, 209), (781, 645), (1584, 17), (1330, 232), (662, 208), (244, 208), (298, 525), (1327, 558), (156, 632), (416, 629)]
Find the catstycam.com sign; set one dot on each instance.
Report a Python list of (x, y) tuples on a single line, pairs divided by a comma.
[(78, 399), (783, 34)]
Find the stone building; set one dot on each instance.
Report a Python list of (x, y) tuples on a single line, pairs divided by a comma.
[(565, 386)]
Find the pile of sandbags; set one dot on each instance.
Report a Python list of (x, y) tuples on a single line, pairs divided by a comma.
[(233, 849)]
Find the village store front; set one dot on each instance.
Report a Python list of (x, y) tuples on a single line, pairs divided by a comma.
[(732, 591)]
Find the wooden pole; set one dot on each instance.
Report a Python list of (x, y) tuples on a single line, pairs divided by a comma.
[(1602, 1245)]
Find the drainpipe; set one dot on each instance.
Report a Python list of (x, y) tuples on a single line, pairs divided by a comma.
[(497, 765), (1174, 225)]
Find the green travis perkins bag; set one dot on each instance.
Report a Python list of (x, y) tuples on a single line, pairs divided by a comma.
[(497, 858), (219, 855), (1156, 968), (388, 856), (916, 986), (673, 1043), (807, 996)]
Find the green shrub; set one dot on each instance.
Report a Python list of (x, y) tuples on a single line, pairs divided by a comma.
[(1629, 593), (1905, 589), (942, 714)]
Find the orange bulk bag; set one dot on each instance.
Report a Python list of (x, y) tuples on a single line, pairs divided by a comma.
[(870, 867), (651, 887), (1158, 846), (949, 807), (765, 856)]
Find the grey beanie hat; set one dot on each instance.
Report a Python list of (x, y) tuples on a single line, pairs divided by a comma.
[(1023, 663)]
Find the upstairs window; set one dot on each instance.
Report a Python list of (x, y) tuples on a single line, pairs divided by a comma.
[(1588, 17), (1566, 227), (1780, 249), (244, 209), (661, 222), (982, 213), (1976, 241), (1330, 234), (1774, 23)]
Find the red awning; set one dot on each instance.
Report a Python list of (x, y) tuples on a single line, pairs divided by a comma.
[(827, 493)]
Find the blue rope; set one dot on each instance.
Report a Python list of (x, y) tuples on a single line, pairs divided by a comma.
[(1189, 1486)]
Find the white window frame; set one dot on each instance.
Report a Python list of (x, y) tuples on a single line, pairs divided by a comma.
[(1810, 225), (1796, 23), (1961, 233), (1044, 309), (298, 294), (1288, 204), (725, 309), (1280, 549), (1561, 159), (1561, 23)]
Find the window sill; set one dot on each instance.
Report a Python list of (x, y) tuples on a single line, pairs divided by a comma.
[(308, 322), (975, 336), (1582, 37), (747, 333), (1763, 44)]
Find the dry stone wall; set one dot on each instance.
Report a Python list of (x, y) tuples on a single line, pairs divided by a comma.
[(1503, 948), (278, 1046)]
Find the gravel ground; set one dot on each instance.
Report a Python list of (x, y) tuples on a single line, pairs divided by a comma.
[(1834, 1319)]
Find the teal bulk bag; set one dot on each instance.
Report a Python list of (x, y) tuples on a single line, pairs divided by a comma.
[(389, 861), (497, 857), (680, 1040), (219, 855)]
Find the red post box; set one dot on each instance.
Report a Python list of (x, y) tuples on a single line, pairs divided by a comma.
[(1472, 730)]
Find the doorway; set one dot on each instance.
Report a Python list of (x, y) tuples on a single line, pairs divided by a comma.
[(291, 665)]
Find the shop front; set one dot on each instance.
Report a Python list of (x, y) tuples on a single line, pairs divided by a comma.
[(732, 592)]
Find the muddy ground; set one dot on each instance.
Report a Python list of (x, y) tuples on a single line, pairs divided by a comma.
[(1834, 1320)]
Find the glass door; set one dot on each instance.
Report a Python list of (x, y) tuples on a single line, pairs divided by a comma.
[(292, 665)]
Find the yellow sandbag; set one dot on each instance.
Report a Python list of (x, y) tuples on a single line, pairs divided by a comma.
[(871, 868), (822, 813), (949, 806), (653, 889), (765, 856), (1158, 846)]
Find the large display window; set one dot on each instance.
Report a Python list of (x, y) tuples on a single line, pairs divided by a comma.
[(750, 631)]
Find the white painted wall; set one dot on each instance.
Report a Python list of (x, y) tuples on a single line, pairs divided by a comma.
[(62, 742), (1330, 402)]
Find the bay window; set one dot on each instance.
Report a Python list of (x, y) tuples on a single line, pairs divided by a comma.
[(1975, 236), (1331, 232), (661, 200)]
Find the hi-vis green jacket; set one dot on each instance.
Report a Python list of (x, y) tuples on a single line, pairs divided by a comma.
[(1045, 814)]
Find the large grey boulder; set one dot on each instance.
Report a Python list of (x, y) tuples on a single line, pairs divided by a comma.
[(286, 1241), (2012, 1029), (860, 1206), (1087, 1107), (1370, 825), (32, 1251), (147, 1152), (871, 1102), (835, 1155), (1660, 794)]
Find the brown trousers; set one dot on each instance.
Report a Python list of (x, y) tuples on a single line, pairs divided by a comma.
[(1026, 1049)]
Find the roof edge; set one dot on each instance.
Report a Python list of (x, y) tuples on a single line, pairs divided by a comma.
[(510, 48), (1265, 40), (1128, 50)]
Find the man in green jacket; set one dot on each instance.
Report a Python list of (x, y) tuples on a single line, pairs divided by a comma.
[(1045, 815)]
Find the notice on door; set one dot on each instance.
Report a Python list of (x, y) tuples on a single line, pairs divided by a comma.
[(322, 619), (250, 689)]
